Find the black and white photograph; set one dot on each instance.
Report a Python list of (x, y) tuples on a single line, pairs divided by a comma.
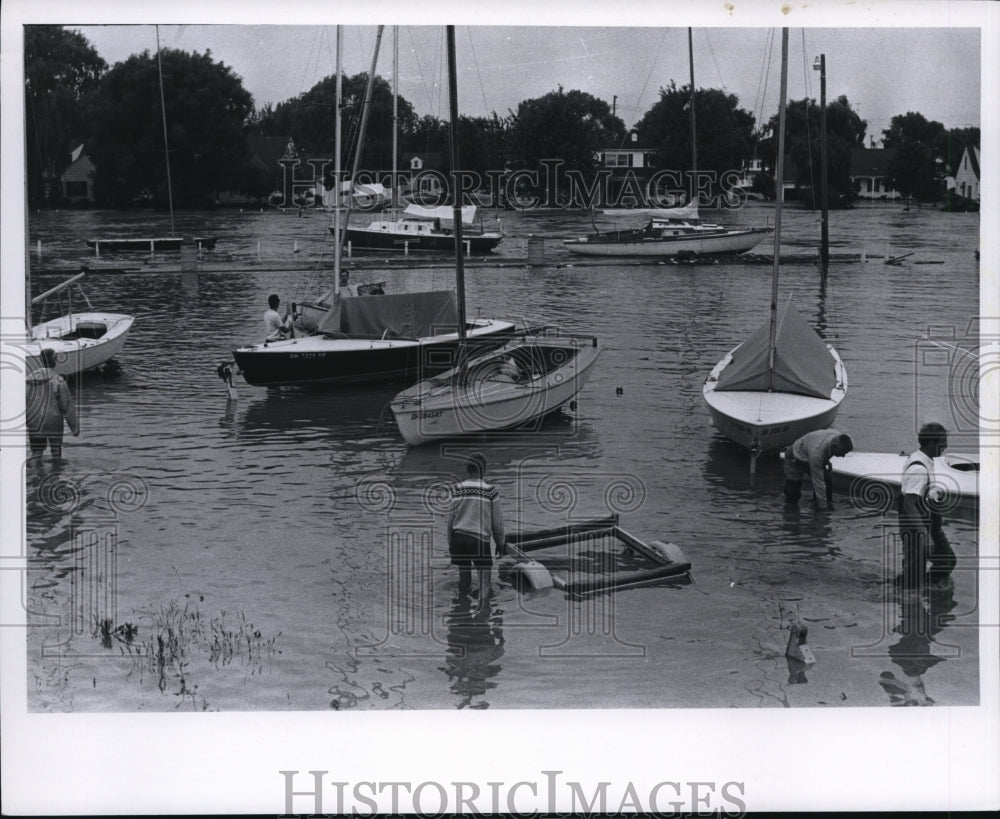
[(434, 410)]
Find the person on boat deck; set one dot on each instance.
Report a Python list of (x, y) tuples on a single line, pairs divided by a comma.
[(810, 455), (48, 406), (919, 525), (475, 516), (275, 327)]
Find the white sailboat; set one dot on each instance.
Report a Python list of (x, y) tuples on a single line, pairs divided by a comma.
[(784, 380), (530, 377), (82, 340), (365, 336), (678, 232)]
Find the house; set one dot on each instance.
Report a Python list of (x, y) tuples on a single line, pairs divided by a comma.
[(630, 165), (77, 181), (426, 172), (628, 155), (870, 173), (967, 174)]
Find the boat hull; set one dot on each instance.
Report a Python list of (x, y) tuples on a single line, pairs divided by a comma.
[(729, 242), (81, 341), (873, 479), (444, 407), (360, 239), (765, 421), (318, 360)]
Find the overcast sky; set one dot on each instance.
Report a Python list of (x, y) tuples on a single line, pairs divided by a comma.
[(912, 56)]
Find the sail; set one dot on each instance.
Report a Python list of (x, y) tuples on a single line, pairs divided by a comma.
[(444, 212), (802, 363), (396, 315)]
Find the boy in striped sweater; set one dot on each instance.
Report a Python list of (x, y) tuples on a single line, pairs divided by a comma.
[(475, 516)]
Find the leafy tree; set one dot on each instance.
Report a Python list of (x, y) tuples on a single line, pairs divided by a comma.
[(567, 126), (61, 69), (724, 132), (206, 109), (845, 132), (920, 147), (309, 120)]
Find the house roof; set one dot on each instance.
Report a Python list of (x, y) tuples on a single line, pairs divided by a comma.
[(266, 151), (871, 162), (974, 159)]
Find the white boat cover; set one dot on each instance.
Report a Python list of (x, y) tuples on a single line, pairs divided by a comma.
[(396, 315), (802, 363), (686, 212), (446, 212)]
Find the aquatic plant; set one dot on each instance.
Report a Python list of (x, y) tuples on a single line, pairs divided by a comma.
[(179, 637)]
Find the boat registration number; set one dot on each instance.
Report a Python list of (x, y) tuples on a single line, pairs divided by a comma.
[(415, 416), (306, 355)]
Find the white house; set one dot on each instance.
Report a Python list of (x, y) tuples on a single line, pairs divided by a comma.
[(967, 174)]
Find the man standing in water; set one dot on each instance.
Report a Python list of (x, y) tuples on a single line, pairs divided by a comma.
[(920, 527), (48, 406), (811, 455), (475, 516)]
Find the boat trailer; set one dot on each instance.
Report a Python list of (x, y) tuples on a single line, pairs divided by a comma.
[(667, 559)]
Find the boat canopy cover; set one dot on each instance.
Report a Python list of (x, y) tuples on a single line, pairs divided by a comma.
[(446, 212), (802, 363), (688, 212), (396, 315)]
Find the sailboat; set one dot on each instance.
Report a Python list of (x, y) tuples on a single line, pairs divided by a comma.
[(420, 228), (369, 336), (82, 341), (528, 378), (670, 232), (784, 380)]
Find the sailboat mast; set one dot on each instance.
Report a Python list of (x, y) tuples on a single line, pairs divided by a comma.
[(694, 134), (456, 201), (395, 117), (779, 194), (166, 142), (336, 168)]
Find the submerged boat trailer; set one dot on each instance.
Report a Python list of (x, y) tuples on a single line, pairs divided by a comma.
[(668, 558)]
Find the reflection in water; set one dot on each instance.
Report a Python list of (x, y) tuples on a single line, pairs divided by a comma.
[(475, 646), (920, 619)]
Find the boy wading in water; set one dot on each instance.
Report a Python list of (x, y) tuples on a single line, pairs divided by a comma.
[(475, 517)]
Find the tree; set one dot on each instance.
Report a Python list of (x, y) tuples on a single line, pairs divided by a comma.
[(308, 119), (568, 127), (724, 132), (61, 70), (206, 110), (920, 148), (845, 132)]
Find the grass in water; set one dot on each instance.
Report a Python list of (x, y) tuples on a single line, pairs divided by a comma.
[(179, 636)]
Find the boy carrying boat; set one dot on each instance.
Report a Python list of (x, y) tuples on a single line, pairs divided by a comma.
[(920, 527)]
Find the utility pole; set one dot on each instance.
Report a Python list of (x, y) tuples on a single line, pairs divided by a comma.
[(824, 246)]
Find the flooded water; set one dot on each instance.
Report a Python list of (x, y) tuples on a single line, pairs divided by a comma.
[(285, 550)]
